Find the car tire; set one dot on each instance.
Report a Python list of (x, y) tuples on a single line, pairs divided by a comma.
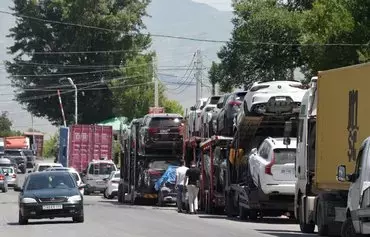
[(105, 193), (5, 189), (21, 219), (78, 219), (86, 191)]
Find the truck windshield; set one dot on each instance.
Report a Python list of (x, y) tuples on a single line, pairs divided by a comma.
[(165, 122), (104, 168), (284, 156)]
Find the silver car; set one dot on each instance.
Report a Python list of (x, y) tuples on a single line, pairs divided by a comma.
[(3, 181), (11, 178)]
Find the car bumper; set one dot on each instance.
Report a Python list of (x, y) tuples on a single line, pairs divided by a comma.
[(35, 211), (11, 182), (283, 189)]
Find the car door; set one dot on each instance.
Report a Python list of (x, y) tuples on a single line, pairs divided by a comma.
[(255, 160), (354, 193), (263, 160)]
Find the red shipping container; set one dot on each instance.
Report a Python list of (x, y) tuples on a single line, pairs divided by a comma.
[(88, 142)]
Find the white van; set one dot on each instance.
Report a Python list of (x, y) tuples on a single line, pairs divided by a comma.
[(95, 175)]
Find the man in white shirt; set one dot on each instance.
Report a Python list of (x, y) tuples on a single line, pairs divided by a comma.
[(180, 183)]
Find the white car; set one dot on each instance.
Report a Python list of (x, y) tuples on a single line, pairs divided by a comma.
[(205, 122), (272, 166), (74, 172), (43, 166), (194, 115), (274, 98), (111, 188)]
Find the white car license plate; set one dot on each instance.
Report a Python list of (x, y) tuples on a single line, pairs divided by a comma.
[(164, 131), (280, 98), (52, 207)]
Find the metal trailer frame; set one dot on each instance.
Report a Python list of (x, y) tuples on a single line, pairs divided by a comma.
[(193, 143), (242, 196), (209, 199)]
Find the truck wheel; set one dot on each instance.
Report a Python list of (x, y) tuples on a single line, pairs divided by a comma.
[(347, 229), (305, 228), (323, 229), (253, 215)]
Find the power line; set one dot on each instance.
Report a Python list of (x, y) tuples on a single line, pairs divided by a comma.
[(171, 36)]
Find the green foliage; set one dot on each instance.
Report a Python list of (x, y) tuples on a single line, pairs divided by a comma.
[(172, 106), (314, 30), (51, 146), (31, 35), (6, 126), (215, 76)]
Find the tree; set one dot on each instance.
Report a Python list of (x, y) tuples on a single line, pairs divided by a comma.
[(214, 75), (36, 75), (172, 106), (51, 146), (248, 56), (5, 125), (329, 22)]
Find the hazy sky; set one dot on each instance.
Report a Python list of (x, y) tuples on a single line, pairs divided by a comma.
[(223, 5)]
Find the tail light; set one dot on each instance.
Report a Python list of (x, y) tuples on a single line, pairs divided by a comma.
[(153, 130), (235, 102), (256, 88), (154, 172), (2, 177), (268, 166), (14, 176)]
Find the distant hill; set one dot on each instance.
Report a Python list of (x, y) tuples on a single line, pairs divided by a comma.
[(189, 19)]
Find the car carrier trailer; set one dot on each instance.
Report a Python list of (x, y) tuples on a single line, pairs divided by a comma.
[(213, 156)]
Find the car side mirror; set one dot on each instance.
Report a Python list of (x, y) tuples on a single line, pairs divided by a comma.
[(254, 151), (342, 174), (82, 186)]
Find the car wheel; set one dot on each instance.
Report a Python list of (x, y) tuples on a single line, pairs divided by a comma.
[(110, 196), (79, 219), (21, 219), (105, 193), (5, 189), (86, 191)]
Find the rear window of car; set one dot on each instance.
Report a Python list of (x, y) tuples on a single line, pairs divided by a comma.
[(102, 169), (165, 122), (240, 96), (209, 109), (284, 156), (214, 100), (8, 170), (13, 153)]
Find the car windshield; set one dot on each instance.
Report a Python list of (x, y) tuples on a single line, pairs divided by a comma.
[(46, 180), (162, 164), (209, 109), (75, 176), (214, 100), (104, 168), (8, 170), (12, 153), (165, 122), (240, 96), (284, 156)]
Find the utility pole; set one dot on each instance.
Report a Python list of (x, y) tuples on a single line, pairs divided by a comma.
[(76, 98), (155, 79), (198, 75)]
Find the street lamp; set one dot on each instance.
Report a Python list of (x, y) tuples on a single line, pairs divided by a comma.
[(76, 104)]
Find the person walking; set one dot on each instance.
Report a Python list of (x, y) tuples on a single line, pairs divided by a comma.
[(180, 183), (193, 178)]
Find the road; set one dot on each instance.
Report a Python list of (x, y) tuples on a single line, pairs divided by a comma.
[(108, 218)]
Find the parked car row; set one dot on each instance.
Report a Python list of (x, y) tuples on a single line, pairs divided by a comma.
[(221, 114)]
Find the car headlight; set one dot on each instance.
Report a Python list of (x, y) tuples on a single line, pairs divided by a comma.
[(28, 200), (75, 198)]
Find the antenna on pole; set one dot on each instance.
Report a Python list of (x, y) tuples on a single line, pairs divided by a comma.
[(155, 79)]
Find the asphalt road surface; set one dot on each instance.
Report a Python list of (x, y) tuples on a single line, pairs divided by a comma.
[(108, 218)]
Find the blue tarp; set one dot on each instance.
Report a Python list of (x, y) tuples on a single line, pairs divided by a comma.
[(168, 176)]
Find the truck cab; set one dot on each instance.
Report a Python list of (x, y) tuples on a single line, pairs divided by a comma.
[(358, 203)]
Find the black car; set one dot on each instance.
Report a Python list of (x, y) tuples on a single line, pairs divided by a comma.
[(49, 195)]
